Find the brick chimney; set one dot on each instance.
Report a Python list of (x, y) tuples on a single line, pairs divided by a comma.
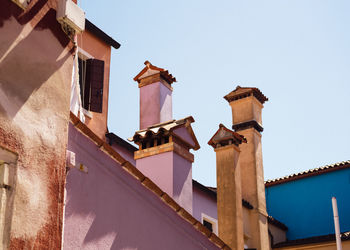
[(246, 105), (155, 95), (229, 193), (164, 143)]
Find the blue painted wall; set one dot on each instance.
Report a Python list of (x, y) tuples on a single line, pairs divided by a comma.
[(305, 205)]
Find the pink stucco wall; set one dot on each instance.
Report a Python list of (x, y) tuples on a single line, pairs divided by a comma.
[(172, 173), (107, 208), (203, 203), (155, 104)]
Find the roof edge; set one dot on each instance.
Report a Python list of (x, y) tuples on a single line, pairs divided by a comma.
[(89, 26), (213, 193), (308, 173), (113, 138), (276, 223), (311, 240)]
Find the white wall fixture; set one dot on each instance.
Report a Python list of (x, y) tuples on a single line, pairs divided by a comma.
[(71, 15), (70, 159), (22, 3)]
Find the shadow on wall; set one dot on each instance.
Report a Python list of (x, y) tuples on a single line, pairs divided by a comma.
[(29, 54), (108, 208)]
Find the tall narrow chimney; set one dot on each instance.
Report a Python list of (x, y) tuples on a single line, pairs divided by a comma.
[(247, 104), (155, 95), (164, 144), (229, 194)]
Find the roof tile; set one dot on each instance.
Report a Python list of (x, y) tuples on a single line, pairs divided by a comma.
[(307, 173)]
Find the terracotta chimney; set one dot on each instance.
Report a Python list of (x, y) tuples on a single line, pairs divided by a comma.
[(229, 194), (155, 95), (164, 144), (247, 104)]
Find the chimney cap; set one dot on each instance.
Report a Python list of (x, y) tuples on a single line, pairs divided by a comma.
[(150, 70), (242, 92), (166, 129), (224, 136)]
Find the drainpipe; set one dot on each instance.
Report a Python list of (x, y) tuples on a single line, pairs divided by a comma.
[(336, 223)]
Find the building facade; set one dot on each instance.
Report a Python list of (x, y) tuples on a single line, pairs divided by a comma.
[(66, 182)]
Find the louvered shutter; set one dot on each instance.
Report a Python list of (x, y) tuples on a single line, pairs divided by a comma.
[(94, 82)]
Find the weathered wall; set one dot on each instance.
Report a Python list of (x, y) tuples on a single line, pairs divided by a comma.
[(102, 51), (107, 208), (35, 75), (246, 109), (229, 196)]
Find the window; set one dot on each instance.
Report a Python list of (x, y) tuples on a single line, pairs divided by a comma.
[(210, 223), (91, 76)]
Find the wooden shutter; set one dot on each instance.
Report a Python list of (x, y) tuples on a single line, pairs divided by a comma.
[(94, 83)]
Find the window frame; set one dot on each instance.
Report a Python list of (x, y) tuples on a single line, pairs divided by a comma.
[(91, 82), (213, 221), (83, 55)]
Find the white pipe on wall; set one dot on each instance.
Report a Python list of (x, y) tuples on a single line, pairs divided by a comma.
[(336, 223)]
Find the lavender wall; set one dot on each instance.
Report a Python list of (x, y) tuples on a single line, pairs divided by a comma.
[(172, 173), (159, 168), (166, 103), (155, 104), (107, 208), (203, 203), (182, 182), (149, 105)]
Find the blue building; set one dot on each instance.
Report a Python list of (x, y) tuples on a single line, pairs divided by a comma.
[(303, 201)]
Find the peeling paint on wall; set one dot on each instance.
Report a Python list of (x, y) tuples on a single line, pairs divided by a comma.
[(31, 194), (35, 73)]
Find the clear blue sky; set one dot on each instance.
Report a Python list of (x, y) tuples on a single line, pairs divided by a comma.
[(296, 52)]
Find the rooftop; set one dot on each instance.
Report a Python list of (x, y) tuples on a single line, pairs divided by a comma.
[(151, 70), (308, 173), (89, 26), (242, 92), (225, 136), (166, 129)]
